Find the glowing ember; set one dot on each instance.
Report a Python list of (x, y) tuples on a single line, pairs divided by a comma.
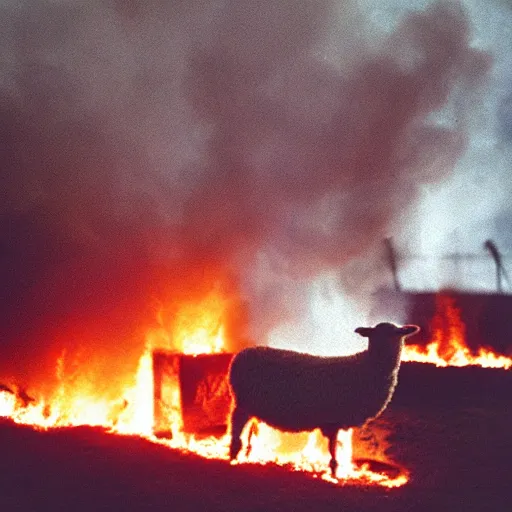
[(448, 347), (196, 329)]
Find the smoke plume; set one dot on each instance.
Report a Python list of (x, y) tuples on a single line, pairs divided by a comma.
[(150, 149)]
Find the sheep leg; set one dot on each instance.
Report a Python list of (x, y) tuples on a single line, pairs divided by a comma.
[(253, 430), (238, 420), (332, 436)]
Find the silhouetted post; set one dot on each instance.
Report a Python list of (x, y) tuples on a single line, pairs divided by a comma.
[(500, 270), (392, 260)]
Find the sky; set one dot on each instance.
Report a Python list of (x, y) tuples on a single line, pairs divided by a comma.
[(152, 150)]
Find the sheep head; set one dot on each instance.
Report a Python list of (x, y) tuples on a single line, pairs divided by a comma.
[(385, 342), (387, 330)]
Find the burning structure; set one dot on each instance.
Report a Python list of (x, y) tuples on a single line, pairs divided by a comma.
[(460, 327)]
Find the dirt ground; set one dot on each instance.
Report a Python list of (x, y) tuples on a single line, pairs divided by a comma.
[(458, 450)]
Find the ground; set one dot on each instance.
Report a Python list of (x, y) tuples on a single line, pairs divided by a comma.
[(459, 455)]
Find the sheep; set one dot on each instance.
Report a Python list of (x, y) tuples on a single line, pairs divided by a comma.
[(296, 392)]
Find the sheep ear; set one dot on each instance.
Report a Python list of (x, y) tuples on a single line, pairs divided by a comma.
[(364, 331), (407, 330)]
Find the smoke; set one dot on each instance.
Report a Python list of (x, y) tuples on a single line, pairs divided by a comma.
[(454, 217), (260, 143)]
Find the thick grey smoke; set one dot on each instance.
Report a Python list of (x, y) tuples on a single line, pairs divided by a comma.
[(152, 141)]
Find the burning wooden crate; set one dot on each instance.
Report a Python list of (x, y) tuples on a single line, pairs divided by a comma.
[(190, 392)]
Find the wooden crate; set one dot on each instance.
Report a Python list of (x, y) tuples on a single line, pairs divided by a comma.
[(191, 390)]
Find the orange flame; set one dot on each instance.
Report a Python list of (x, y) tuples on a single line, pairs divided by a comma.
[(195, 328), (448, 347)]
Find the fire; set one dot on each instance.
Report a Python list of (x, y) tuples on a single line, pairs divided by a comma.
[(308, 452), (448, 347), (131, 414), (196, 328)]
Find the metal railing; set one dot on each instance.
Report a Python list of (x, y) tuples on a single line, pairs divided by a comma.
[(490, 253)]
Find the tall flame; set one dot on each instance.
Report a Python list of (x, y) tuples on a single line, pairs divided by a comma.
[(448, 347)]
